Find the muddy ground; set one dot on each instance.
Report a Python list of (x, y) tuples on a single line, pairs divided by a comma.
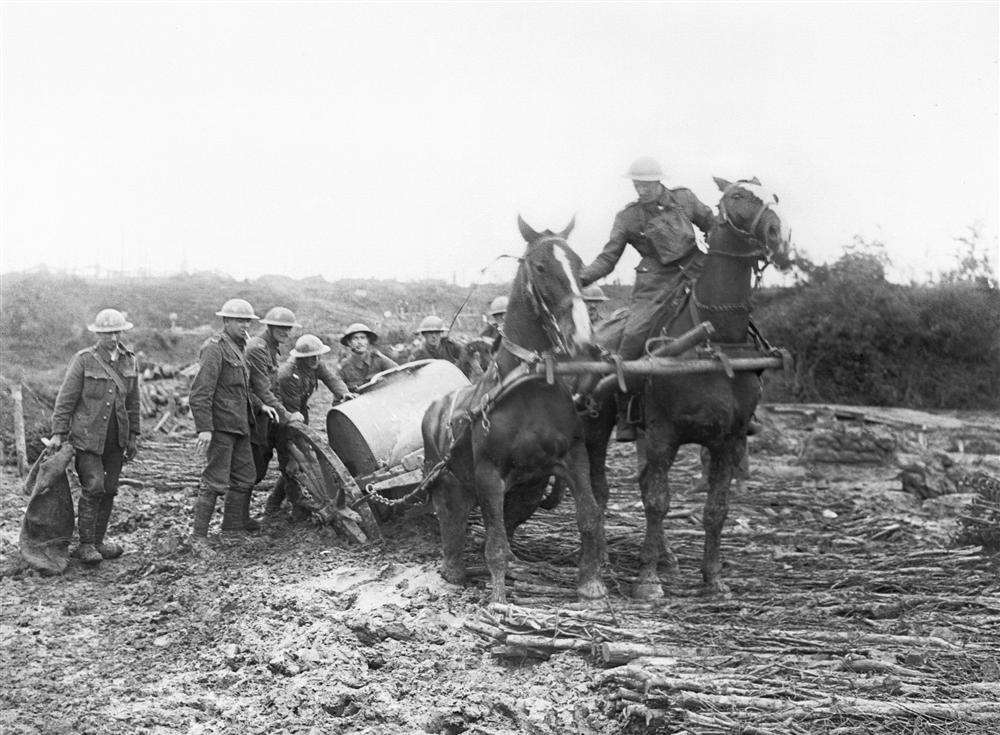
[(295, 632)]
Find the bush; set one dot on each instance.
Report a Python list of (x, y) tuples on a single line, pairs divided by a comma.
[(858, 339)]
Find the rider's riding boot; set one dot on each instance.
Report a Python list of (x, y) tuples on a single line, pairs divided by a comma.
[(86, 518), (107, 549), (625, 430), (276, 497), (232, 512)]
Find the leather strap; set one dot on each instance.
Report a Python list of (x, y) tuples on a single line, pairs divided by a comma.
[(112, 373)]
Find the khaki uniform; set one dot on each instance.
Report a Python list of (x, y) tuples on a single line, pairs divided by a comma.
[(221, 402), (357, 370), (662, 233), (100, 419)]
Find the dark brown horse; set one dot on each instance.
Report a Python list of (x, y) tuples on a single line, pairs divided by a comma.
[(707, 409), (512, 431)]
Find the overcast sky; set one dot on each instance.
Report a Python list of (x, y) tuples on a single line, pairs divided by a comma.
[(402, 140)]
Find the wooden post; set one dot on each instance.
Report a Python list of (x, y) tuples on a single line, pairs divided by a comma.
[(19, 442)]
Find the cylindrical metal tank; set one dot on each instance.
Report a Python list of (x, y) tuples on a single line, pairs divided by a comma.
[(382, 425)]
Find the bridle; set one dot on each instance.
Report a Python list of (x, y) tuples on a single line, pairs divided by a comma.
[(549, 323), (750, 234), (759, 255)]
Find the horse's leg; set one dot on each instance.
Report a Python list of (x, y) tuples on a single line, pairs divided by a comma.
[(724, 457), (597, 433), (452, 503), (490, 491), (590, 521), (654, 483)]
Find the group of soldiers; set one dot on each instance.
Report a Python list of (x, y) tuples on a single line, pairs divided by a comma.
[(243, 391)]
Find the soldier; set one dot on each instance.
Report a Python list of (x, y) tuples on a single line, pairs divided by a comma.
[(436, 346), (364, 360), (659, 226), (98, 407), (593, 297), (223, 406), (296, 381), (262, 354), (494, 325)]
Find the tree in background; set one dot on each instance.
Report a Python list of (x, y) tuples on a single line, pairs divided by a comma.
[(972, 260)]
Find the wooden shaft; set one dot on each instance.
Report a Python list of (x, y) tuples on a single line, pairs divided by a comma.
[(666, 366), (690, 338)]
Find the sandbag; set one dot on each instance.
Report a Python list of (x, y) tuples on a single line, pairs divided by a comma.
[(49, 518)]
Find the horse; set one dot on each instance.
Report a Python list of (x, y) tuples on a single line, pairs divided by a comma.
[(710, 409), (513, 430)]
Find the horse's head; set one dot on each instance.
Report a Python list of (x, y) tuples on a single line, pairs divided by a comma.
[(751, 209), (550, 271)]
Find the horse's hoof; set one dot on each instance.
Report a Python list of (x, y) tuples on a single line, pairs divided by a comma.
[(718, 588), (453, 573), (647, 591), (592, 590)]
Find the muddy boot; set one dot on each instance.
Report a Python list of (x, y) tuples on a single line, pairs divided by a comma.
[(276, 497), (204, 507), (107, 549), (249, 524), (85, 521), (625, 430), (232, 512)]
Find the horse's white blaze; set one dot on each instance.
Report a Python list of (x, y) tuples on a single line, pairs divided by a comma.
[(582, 331)]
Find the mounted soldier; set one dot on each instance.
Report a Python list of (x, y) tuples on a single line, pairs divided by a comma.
[(98, 410), (295, 382), (659, 226), (365, 360), (263, 357), (224, 406)]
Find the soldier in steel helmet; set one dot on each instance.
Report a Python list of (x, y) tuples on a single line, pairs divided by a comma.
[(660, 226), (224, 405), (296, 380), (494, 324), (262, 356), (364, 360), (593, 297), (98, 410), (435, 344)]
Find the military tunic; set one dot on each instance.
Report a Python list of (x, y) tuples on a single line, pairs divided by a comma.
[(296, 384), (100, 421), (662, 233), (262, 353), (221, 402), (356, 370)]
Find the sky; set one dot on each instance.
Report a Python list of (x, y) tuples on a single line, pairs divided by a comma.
[(402, 140)]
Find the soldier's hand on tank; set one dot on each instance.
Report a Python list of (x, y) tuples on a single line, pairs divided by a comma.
[(270, 412), (204, 439), (297, 416), (131, 448), (348, 396)]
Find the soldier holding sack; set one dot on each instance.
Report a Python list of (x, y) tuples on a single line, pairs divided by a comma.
[(98, 410)]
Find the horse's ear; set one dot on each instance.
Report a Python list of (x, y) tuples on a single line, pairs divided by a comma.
[(721, 183), (755, 180), (527, 233), (568, 229)]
